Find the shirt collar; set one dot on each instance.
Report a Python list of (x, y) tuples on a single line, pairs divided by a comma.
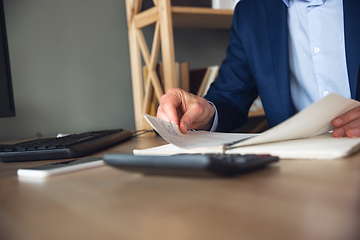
[(286, 2), (312, 2)]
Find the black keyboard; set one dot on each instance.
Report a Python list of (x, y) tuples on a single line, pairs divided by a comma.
[(70, 146)]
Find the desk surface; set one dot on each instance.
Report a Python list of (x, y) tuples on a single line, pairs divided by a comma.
[(292, 199)]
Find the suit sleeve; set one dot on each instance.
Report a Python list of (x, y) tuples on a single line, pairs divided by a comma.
[(234, 89)]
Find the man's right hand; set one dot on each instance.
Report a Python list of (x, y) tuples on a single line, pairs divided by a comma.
[(186, 110)]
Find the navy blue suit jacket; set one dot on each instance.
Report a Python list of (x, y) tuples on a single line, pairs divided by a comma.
[(257, 62)]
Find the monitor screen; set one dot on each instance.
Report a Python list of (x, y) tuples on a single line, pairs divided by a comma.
[(7, 107)]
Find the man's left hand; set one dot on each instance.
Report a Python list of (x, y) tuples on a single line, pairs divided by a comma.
[(348, 124)]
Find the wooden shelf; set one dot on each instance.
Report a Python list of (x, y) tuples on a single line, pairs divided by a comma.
[(191, 17), (188, 17), (164, 17)]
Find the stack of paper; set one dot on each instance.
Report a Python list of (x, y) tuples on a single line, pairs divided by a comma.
[(305, 135)]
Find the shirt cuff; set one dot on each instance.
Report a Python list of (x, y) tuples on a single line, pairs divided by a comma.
[(216, 119)]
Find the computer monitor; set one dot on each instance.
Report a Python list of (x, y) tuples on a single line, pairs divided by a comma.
[(7, 106)]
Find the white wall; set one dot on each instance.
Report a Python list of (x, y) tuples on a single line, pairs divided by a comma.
[(71, 69)]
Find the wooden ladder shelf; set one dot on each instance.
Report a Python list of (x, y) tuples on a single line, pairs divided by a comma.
[(164, 17)]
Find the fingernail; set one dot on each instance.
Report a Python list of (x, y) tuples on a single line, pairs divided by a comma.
[(338, 122), (339, 132)]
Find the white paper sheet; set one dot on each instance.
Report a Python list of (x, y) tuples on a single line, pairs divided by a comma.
[(312, 121), (193, 139), (323, 147)]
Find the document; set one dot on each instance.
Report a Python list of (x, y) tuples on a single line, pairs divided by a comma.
[(305, 135), (193, 139)]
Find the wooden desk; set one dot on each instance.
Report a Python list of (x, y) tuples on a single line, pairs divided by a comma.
[(291, 200)]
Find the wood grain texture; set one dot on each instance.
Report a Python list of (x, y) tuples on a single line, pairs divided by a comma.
[(292, 199)]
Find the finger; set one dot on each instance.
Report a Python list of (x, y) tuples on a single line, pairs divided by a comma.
[(350, 130), (338, 133), (184, 128), (193, 113), (353, 132), (161, 115), (199, 114), (166, 113), (169, 104), (346, 118)]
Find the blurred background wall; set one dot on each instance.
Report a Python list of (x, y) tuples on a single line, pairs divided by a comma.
[(71, 68)]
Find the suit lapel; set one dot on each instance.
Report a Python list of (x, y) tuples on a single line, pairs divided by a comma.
[(352, 44), (278, 34)]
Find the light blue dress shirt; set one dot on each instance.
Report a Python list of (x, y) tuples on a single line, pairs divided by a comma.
[(316, 51)]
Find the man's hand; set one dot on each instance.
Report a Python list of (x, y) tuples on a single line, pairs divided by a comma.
[(348, 124), (186, 110)]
